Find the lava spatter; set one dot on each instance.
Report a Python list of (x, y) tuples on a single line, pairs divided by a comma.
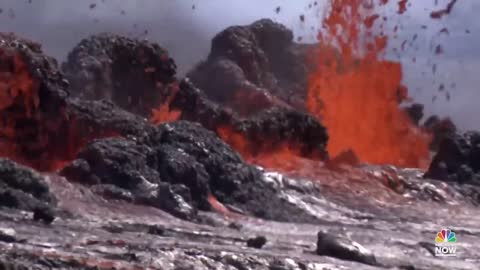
[(355, 92)]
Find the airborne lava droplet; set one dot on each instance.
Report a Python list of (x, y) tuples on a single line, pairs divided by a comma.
[(440, 13), (402, 6)]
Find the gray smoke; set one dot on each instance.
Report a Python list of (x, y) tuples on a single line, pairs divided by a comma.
[(185, 28)]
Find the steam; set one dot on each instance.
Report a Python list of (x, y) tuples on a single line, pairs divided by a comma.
[(186, 27)]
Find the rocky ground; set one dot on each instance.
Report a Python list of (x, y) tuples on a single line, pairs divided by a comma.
[(103, 187), (397, 229)]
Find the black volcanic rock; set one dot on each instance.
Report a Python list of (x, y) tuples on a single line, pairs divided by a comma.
[(440, 128), (44, 214), (177, 167), (227, 173), (415, 112), (343, 248), (257, 62), (195, 106), (131, 73), (118, 167), (103, 116), (257, 242), (230, 179), (22, 188), (457, 160), (279, 126), (8, 235), (264, 132)]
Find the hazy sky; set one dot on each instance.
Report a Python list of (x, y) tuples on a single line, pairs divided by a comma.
[(186, 32)]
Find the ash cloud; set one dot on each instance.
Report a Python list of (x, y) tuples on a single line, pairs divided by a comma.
[(185, 28)]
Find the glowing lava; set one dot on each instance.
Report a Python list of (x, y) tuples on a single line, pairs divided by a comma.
[(163, 113), (356, 93)]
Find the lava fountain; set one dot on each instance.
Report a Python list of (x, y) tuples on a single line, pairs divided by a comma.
[(356, 93)]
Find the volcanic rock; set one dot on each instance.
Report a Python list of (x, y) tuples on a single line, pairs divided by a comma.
[(40, 125), (32, 100), (22, 188), (257, 242), (195, 106), (7, 235), (457, 160), (131, 73), (230, 179), (203, 154), (43, 214), (280, 127), (254, 62), (415, 112), (176, 167), (342, 248), (267, 131), (440, 128), (108, 191), (128, 166)]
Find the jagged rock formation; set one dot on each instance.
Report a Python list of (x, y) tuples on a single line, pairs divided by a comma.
[(24, 189), (253, 67), (189, 162), (129, 72)]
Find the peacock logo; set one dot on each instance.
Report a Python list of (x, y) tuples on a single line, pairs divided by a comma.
[(445, 243), (446, 236)]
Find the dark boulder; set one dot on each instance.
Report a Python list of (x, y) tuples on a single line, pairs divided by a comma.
[(342, 248), (257, 242), (22, 188), (8, 235), (134, 74), (180, 168), (440, 128), (457, 159), (43, 214)]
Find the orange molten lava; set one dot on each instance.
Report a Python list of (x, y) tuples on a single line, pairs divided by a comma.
[(282, 156), (163, 114), (356, 93)]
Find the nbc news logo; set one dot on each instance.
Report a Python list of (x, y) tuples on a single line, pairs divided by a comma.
[(445, 244)]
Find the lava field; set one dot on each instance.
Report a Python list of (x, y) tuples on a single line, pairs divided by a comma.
[(110, 160)]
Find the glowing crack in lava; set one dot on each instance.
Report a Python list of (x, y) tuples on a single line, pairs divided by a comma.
[(357, 94)]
